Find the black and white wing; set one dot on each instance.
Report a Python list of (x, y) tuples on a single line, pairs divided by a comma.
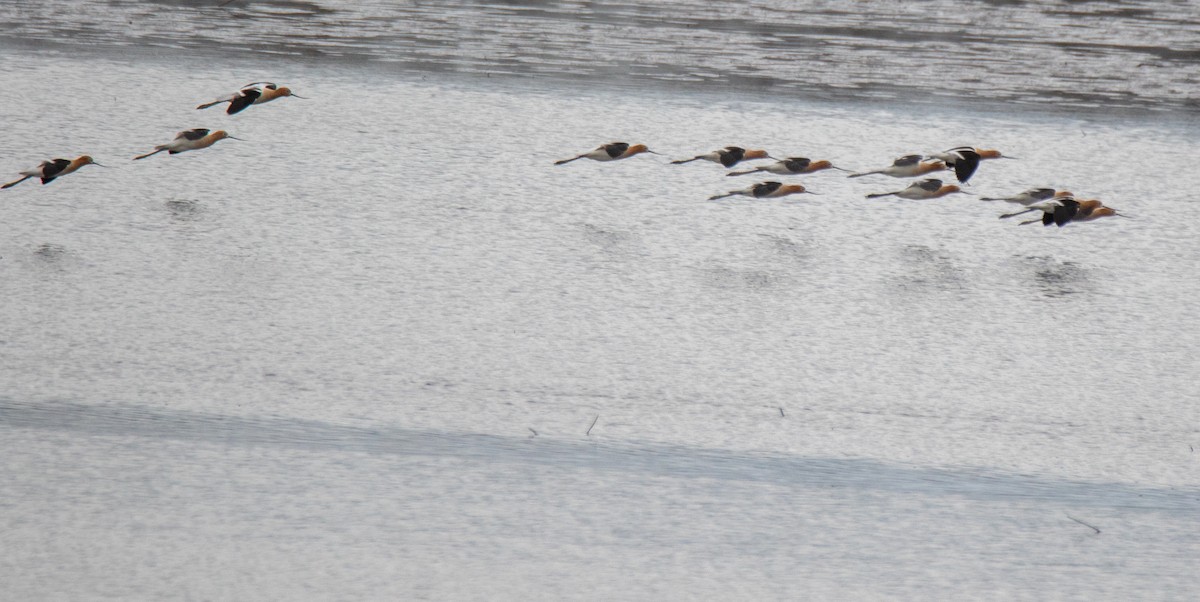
[(194, 134)]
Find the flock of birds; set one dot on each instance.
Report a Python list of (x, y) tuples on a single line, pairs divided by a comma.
[(250, 94), (1058, 207)]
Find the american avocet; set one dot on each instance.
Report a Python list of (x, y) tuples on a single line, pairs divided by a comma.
[(251, 94), (930, 188), (189, 140), (728, 156), (1058, 210), (765, 190), (611, 152), (1088, 210), (1032, 195), (54, 168), (789, 167), (907, 166), (964, 160)]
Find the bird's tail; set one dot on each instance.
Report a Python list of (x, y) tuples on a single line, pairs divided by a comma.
[(15, 182), (568, 160), (743, 172), (879, 194), (157, 149), (864, 173), (682, 161)]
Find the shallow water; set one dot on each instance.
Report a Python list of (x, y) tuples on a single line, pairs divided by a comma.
[(359, 355)]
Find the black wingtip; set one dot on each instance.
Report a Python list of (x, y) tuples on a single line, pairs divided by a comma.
[(965, 168)]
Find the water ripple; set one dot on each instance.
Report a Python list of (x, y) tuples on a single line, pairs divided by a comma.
[(1086, 55)]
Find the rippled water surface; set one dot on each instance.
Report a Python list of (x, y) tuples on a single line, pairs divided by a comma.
[(1066, 55), (384, 349)]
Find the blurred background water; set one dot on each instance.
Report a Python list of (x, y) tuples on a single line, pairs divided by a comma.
[(358, 355), (1142, 56)]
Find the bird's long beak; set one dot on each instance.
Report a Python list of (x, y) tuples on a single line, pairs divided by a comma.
[(811, 192), (1006, 157), (236, 138), (294, 95), (98, 164), (968, 192), (838, 168), (654, 153)]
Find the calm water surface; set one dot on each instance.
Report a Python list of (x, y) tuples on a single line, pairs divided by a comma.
[(358, 355)]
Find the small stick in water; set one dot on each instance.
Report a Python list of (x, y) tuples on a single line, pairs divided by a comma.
[(1092, 527), (781, 412), (532, 431), (589, 431)]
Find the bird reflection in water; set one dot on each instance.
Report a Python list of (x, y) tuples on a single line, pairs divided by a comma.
[(1055, 278)]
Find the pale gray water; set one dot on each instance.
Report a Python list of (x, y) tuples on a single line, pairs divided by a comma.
[(311, 365)]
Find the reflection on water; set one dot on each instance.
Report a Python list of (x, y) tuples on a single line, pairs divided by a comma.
[(1076, 55), (928, 269), (185, 210), (741, 279), (611, 241), (1055, 278), (50, 253), (789, 248)]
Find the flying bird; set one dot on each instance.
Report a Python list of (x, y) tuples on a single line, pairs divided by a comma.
[(728, 156), (1088, 210), (964, 160), (611, 152), (930, 188), (54, 168), (1030, 196), (907, 166), (1058, 210), (790, 166), (189, 140), (764, 190), (252, 94)]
